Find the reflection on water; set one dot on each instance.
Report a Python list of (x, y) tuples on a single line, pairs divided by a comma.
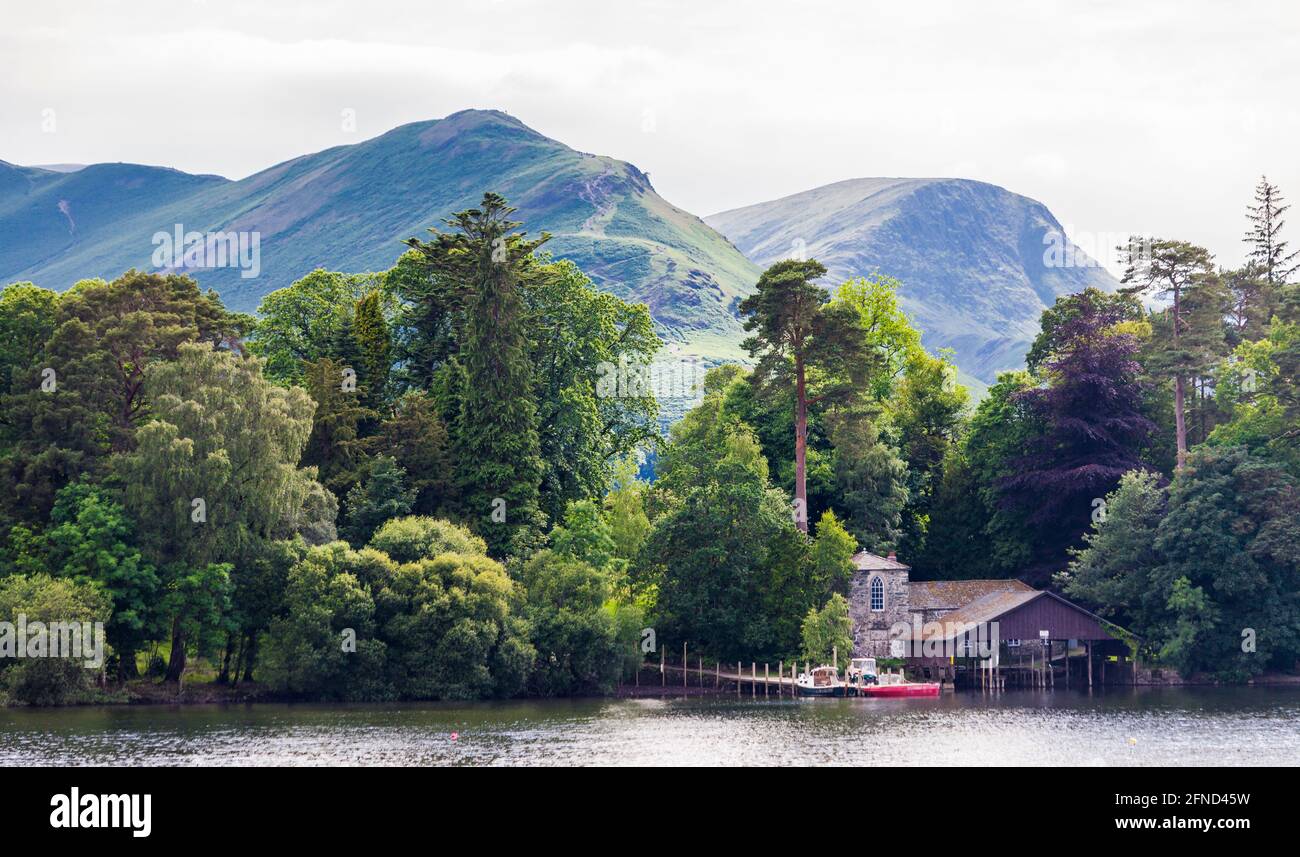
[(1200, 726)]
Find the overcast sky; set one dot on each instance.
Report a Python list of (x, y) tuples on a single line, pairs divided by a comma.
[(1120, 116)]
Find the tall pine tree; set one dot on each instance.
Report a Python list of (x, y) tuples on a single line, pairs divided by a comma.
[(1267, 249)]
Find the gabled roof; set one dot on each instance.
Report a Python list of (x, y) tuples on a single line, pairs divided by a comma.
[(993, 607), (864, 561), (955, 594)]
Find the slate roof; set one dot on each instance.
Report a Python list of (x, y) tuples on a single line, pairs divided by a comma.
[(955, 594), (864, 561)]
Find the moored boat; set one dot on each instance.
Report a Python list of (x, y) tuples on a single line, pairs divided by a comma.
[(894, 685), (821, 681)]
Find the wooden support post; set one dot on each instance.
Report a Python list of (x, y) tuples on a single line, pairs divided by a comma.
[(717, 674), (767, 678), (1089, 647), (699, 668), (663, 661), (738, 675), (1067, 664), (780, 678), (684, 669), (753, 679)]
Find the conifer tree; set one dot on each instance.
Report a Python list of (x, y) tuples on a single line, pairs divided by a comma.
[(497, 449), (1267, 249), (793, 334), (1184, 274)]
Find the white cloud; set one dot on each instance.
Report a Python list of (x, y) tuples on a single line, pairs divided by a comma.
[(1113, 115)]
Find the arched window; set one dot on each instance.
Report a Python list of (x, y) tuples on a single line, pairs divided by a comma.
[(877, 594)]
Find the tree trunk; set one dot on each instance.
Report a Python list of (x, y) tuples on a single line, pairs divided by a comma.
[(176, 662), (800, 448), (250, 656), (223, 677), (1180, 420), (1180, 390), (126, 668)]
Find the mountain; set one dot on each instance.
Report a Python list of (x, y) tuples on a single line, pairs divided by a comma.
[(349, 208), (970, 255)]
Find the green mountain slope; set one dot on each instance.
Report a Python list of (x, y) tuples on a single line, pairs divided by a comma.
[(349, 208), (970, 256)]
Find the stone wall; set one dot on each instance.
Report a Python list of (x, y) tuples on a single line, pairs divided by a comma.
[(870, 627)]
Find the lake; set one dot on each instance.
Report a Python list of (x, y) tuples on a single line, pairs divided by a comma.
[(1120, 726)]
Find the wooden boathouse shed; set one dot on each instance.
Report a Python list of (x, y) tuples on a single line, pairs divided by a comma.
[(1041, 639)]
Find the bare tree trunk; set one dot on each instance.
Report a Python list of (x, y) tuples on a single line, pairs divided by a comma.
[(1180, 391), (801, 448), (250, 656), (176, 662), (223, 677), (1180, 420)]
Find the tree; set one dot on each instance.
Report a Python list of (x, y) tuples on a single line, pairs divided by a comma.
[(828, 632), (497, 446), (1232, 533), (1115, 571), (86, 395), (793, 335), (27, 318), (625, 511), (576, 638), (326, 645), (928, 413), (586, 535), (870, 481), (417, 537), (455, 628), (1122, 306), (831, 556), (888, 332), (415, 436), (580, 340), (42, 598), (724, 555), (336, 447), (314, 318), (213, 477), (1267, 249), (90, 539), (383, 495), (374, 347), (1184, 274), (1094, 429)]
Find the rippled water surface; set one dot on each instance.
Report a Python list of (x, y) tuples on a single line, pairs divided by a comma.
[(1203, 726)]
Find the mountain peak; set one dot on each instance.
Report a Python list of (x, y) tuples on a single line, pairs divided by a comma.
[(970, 256)]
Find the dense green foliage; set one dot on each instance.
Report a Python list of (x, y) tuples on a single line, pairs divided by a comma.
[(417, 483)]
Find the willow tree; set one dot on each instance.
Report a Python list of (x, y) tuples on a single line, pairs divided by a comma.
[(498, 453), (212, 479), (799, 341)]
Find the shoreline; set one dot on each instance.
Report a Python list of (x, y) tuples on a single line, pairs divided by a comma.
[(137, 694)]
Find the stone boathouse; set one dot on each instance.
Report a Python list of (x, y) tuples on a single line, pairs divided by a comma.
[(1034, 626)]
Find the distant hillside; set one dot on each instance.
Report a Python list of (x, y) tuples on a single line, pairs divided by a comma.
[(348, 208), (970, 256)]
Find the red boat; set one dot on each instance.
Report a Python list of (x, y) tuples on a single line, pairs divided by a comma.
[(927, 688)]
